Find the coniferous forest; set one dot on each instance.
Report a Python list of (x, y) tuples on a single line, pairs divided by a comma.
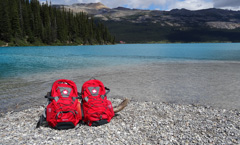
[(27, 22)]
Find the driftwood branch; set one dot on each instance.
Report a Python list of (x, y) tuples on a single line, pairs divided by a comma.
[(121, 106)]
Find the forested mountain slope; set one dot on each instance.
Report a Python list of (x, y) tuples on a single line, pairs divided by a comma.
[(24, 22)]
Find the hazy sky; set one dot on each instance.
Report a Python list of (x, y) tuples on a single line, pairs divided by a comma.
[(161, 4)]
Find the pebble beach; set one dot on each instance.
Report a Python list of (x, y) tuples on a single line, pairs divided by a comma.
[(170, 103), (141, 122)]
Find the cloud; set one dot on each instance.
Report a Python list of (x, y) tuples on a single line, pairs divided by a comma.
[(67, 1), (161, 4), (191, 4), (227, 4), (143, 4)]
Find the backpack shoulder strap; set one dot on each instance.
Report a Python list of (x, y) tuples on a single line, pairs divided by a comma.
[(40, 121), (108, 90), (50, 97)]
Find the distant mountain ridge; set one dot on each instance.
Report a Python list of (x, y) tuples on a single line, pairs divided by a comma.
[(177, 25), (214, 18)]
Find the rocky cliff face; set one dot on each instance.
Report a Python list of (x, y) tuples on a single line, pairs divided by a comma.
[(213, 18)]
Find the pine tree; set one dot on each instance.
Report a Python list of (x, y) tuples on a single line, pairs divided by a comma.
[(71, 27), (53, 24), (14, 18), (5, 27), (36, 19), (61, 26), (26, 18), (46, 23)]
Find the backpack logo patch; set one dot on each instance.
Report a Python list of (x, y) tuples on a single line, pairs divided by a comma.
[(94, 91), (65, 92)]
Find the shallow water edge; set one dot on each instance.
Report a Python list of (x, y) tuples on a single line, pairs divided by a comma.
[(208, 83)]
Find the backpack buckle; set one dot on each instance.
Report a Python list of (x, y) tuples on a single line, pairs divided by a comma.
[(102, 96), (86, 99)]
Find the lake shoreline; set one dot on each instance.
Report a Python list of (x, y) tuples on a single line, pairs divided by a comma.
[(207, 83)]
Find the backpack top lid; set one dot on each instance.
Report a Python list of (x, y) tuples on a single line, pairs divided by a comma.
[(65, 87), (94, 87)]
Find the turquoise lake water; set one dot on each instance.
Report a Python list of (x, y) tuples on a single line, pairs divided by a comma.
[(206, 73), (20, 61)]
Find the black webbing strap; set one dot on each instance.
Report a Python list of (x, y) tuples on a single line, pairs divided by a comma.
[(103, 96), (40, 121), (92, 78), (49, 96), (43, 116), (79, 95), (108, 90)]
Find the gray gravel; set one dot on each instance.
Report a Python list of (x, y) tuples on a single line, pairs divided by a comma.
[(139, 123)]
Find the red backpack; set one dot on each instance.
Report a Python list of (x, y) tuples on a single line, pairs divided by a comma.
[(64, 108), (97, 109)]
